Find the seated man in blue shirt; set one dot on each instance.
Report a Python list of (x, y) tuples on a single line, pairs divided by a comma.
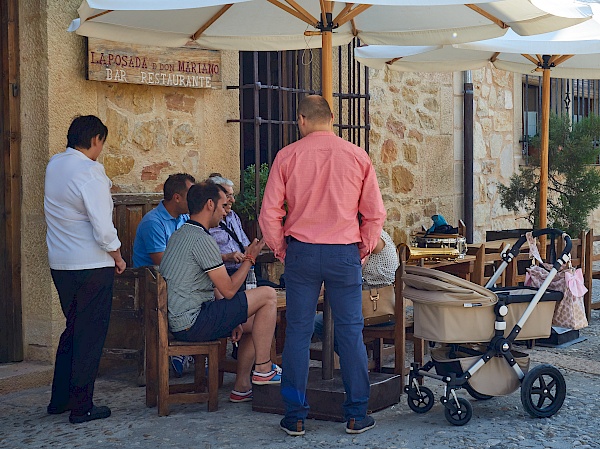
[(156, 227)]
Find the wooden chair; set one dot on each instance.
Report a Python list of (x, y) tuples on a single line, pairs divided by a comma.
[(125, 338), (396, 333), (590, 272), (159, 347), (487, 260)]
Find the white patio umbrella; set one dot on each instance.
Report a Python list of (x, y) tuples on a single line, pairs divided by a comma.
[(573, 52), (295, 24)]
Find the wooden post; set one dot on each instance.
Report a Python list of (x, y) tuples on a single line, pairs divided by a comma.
[(545, 137), (327, 67)]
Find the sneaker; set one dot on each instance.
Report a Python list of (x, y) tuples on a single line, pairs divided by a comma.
[(178, 362), (292, 427), (272, 377), (354, 426), (94, 413), (276, 368), (237, 396)]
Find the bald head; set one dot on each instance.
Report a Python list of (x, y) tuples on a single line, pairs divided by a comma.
[(314, 114), (315, 109)]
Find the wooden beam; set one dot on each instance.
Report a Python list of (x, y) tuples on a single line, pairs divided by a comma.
[(495, 56), (343, 12), (327, 67), (531, 58), (560, 59), (99, 14), (307, 19), (351, 14), (11, 321), (488, 16), (212, 20)]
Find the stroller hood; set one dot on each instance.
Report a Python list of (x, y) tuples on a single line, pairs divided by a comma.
[(425, 285)]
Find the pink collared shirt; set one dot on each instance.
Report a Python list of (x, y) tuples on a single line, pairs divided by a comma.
[(325, 181)]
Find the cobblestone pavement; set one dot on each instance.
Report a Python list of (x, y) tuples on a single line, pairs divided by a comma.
[(497, 423)]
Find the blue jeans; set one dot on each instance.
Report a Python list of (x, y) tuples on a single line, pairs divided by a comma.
[(307, 266)]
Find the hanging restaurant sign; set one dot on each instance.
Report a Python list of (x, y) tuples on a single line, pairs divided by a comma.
[(117, 62)]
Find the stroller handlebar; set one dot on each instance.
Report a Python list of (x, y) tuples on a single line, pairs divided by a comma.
[(560, 260)]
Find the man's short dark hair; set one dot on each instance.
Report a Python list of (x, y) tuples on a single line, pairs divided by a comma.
[(83, 129), (176, 184), (199, 194), (315, 109)]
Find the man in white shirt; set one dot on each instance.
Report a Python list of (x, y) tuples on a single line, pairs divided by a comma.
[(84, 253)]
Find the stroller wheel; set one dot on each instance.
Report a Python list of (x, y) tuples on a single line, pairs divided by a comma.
[(460, 414), (476, 394), (421, 400), (543, 391)]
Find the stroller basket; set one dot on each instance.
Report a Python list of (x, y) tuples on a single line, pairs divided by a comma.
[(448, 309), (495, 378)]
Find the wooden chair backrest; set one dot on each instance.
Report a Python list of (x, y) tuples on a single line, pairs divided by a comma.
[(127, 214), (591, 270)]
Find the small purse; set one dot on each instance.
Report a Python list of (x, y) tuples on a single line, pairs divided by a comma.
[(378, 305)]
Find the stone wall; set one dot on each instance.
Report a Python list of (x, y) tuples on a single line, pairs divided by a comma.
[(417, 147), (153, 131)]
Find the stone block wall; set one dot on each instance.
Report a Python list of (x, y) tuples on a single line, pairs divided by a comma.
[(153, 131), (417, 147)]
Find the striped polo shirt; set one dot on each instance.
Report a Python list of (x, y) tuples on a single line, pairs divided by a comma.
[(191, 253)]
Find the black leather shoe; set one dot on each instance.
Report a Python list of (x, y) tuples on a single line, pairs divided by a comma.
[(54, 410), (94, 413)]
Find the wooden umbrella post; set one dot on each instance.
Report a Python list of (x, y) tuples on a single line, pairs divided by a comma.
[(327, 67), (545, 138)]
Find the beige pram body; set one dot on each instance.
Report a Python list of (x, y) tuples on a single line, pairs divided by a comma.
[(476, 327)]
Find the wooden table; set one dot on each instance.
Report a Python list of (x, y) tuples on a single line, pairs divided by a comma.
[(462, 268)]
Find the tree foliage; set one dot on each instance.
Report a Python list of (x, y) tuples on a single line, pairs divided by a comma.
[(573, 184), (245, 204)]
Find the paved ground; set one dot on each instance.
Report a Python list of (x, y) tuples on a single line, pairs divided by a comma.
[(497, 423)]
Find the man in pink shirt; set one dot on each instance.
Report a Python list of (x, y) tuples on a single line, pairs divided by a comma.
[(326, 182)]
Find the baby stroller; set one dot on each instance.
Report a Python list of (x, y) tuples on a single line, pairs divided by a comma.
[(477, 328)]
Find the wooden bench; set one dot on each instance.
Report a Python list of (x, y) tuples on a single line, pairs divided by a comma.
[(160, 345)]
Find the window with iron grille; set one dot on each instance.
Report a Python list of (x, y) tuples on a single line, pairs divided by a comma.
[(272, 84), (576, 97)]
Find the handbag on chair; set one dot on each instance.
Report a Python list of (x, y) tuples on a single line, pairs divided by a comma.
[(378, 305)]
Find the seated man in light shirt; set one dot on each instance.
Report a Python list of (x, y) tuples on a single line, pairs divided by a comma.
[(229, 235)]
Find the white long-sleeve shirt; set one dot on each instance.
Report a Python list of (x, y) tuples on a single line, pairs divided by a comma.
[(78, 208)]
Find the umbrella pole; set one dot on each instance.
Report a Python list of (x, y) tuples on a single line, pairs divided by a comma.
[(327, 67), (545, 138)]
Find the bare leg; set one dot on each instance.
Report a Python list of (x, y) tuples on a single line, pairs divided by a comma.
[(262, 303), (245, 359)]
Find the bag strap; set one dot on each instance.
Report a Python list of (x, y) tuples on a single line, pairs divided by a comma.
[(233, 236)]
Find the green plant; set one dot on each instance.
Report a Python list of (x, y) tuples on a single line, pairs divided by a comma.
[(245, 204), (573, 184)]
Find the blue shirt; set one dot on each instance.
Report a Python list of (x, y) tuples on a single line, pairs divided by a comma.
[(152, 234)]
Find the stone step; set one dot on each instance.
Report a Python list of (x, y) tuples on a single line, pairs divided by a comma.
[(24, 375)]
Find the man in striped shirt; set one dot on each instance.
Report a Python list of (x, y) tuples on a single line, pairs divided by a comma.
[(193, 268)]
